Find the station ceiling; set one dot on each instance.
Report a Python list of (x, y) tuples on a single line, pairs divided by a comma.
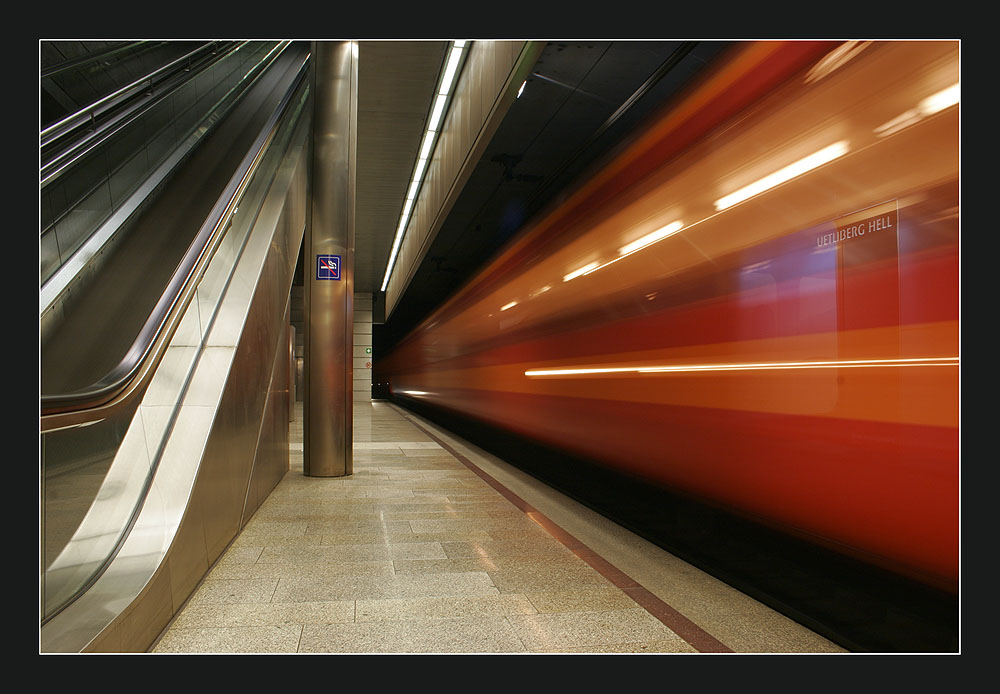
[(581, 100)]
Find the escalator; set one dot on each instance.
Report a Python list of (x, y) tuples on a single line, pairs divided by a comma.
[(200, 186), (76, 74), (90, 342)]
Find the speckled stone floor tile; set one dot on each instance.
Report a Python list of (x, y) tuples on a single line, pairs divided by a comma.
[(303, 570), (462, 635), (265, 639), (590, 599), (412, 553), (298, 589), (226, 590), (547, 632), (441, 608), (271, 614), (351, 553), (654, 648)]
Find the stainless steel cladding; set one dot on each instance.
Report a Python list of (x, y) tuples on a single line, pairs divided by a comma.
[(214, 418), (329, 253), (754, 303)]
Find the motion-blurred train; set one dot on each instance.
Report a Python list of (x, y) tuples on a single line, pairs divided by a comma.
[(755, 302)]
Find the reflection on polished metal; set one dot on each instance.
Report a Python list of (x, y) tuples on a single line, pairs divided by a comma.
[(214, 411), (329, 257)]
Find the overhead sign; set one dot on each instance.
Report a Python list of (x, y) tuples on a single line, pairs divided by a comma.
[(328, 267)]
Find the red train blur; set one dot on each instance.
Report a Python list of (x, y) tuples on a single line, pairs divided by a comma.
[(756, 302)]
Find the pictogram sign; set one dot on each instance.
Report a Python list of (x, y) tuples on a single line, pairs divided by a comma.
[(328, 267)]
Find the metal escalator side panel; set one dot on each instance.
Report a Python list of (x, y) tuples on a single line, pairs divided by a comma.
[(108, 527)]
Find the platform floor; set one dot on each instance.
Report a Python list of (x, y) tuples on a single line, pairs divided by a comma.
[(434, 546)]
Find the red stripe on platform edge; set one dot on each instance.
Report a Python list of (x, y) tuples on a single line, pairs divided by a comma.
[(687, 630)]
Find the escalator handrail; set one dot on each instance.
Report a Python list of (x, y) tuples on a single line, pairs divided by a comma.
[(58, 129), (74, 63), (86, 143), (116, 389)]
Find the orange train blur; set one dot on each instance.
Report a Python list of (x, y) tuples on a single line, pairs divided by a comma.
[(756, 302)]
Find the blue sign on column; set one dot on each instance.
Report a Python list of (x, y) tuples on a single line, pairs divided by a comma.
[(328, 267)]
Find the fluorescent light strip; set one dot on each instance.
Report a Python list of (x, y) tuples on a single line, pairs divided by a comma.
[(411, 194), (814, 160), (940, 101), (418, 174), (437, 112), (580, 271), (512, 304), (636, 246), (927, 107), (860, 363), (426, 149), (903, 120), (835, 59), (661, 233), (449, 72)]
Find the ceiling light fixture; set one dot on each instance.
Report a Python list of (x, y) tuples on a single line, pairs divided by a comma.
[(445, 85)]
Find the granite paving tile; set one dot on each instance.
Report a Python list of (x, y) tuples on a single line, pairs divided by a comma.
[(506, 525), (357, 526), (668, 646), (404, 538), (442, 608), (376, 587), (547, 632), (260, 526), (242, 554), (565, 564), (525, 546), (469, 635), (351, 553), (219, 591), (264, 639), (264, 540), (589, 599), (541, 579), (271, 614), (261, 570), (412, 553)]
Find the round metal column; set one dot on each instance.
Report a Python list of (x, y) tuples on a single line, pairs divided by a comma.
[(329, 258)]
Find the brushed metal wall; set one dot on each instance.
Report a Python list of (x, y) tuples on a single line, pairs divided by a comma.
[(245, 449), (329, 305)]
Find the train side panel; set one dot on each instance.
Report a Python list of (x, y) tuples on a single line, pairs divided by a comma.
[(765, 317)]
